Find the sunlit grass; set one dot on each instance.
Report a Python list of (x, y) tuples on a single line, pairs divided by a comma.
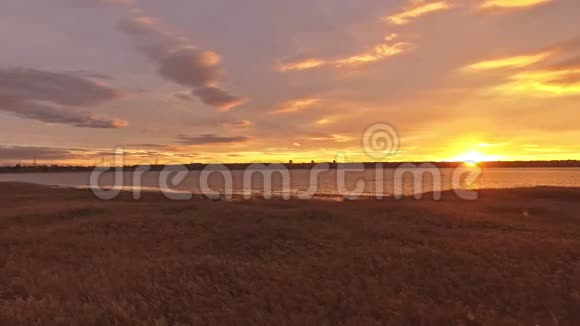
[(509, 258)]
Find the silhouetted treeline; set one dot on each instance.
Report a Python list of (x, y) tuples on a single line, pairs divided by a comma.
[(44, 168), (302, 166)]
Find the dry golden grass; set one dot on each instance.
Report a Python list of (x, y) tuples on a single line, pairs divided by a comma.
[(67, 258)]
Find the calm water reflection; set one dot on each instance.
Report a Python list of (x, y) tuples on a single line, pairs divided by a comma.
[(327, 181)]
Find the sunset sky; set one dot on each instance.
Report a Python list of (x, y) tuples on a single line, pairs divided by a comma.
[(273, 80)]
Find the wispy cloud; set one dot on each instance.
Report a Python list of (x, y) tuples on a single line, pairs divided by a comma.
[(55, 97), (536, 75), (331, 138), (31, 153), (185, 96), (297, 105), (238, 124), (418, 9), (58, 115), (210, 139), (380, 52), (390, 47), (305, 64), (512, 4), (325, 121), (508, 62), (555, 83)]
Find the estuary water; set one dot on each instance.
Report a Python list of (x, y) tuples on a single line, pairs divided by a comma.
[(319, 183)]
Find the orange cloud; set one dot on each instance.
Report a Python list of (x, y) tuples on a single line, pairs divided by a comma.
[(380, 52), (389, 48), (556, 83), (544, 81), (511, 4), (239, 124), (303, 65), (418, 10), (325, 121), (297, 105), (509, 62), (332, 138)]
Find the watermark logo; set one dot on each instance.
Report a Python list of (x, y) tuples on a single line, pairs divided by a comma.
[(345, 180), (380, 140)]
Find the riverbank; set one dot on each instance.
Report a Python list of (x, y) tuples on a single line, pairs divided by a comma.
[(513, 256)]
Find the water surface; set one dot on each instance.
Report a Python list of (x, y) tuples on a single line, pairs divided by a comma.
[(369, 182)]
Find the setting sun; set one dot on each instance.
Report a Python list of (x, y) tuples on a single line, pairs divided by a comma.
[(474, 157)]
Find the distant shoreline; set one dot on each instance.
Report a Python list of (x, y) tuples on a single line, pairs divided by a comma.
[(301, 166)]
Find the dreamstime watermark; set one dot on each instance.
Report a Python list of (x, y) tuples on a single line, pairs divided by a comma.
[(301, 181), (380, 140)]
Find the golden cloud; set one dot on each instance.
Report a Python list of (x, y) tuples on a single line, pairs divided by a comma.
[(332, 138), (388, 48), (541, 80), (324, 121), (565, 82), (303, 65), (380, 52), (511, 4), (297, 105), (509, 62), (418, 10)]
